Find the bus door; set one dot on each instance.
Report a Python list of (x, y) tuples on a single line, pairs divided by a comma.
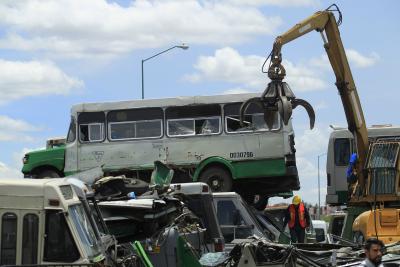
[(71, 148), (20, 232), (91, 135)]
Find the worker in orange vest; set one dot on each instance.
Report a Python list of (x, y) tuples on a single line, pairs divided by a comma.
[(298, 219)]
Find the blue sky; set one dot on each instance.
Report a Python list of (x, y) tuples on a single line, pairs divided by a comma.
[(54, 54)]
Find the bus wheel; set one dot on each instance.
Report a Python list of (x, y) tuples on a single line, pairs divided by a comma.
[(48, 174), (217, 178)]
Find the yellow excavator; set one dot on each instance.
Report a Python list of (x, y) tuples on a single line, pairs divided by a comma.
[(374, 205)]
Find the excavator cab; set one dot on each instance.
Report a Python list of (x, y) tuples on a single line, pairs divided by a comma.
[(383, 169)]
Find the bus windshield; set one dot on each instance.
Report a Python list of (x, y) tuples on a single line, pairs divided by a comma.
[(85, 230)]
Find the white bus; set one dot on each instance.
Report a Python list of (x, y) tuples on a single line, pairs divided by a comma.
[(340, 147), (200, 137), (45, 222)]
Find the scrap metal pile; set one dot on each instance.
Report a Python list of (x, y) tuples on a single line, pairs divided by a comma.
[(159, 218)]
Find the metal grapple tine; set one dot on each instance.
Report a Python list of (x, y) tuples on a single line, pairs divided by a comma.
[(307, 106), (285, 109), (243, 107)]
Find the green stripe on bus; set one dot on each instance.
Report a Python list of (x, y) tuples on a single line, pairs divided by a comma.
[(259, 168)]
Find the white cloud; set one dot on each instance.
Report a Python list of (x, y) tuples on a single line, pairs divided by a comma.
[(306, 168), (229, 66), (31, 78), (280, 3), (312, 142), (15, 130), (9, 172), (303, 78), (237, 91), (321, 105), (77, 28), (362, 61), (17, 156), (355, 58)]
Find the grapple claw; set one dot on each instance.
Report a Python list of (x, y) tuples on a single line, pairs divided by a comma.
[(307, 106), (285, 109), (278, 97), (244, 106)]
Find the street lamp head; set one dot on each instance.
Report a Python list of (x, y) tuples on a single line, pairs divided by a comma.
[(183, 46)]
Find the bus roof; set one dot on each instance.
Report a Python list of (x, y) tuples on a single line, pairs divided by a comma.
[(28, 187), (162, 102), (374, 131)]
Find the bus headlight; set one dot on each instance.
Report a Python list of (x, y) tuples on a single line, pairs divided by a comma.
[(25, 159)]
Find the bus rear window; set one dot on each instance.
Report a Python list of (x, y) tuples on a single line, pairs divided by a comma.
[(342, 151)]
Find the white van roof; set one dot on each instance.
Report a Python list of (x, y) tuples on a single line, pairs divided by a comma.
[(196, 188)]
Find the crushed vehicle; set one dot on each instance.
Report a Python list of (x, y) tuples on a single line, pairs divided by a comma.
[(158, 217), (49, 222)]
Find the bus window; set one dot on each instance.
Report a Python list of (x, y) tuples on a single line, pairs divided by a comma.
[(342, 151), (231, 221), (8, 239), (151, 128), (59, 244), (91, 132), (85, 230), (91, 126), (193, 120), (180, 127), (253, 119), (71, 131), (30, 239), (207, 126), (135, 123)]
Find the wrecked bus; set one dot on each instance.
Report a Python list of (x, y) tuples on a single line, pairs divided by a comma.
[(45, 222), (200, 137)]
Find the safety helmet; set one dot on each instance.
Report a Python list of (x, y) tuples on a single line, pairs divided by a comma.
[(296, 200)]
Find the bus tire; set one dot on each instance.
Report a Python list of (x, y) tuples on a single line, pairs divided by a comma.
[(217, 178), (48, 174)]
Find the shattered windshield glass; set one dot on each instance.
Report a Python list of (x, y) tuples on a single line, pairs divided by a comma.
[(85, 230)]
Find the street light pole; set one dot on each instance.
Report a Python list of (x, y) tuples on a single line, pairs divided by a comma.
[(182, 46), (319, 190)]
